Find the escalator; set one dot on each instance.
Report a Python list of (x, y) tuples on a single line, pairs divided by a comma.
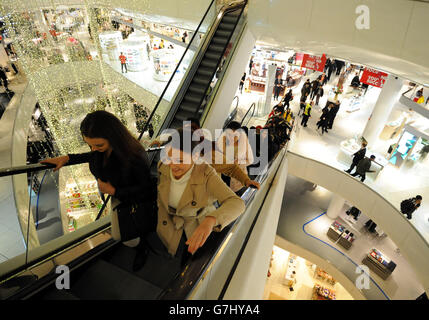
[(105, 272), (190, 100)]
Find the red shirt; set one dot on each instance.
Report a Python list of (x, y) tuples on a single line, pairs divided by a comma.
[(122, 58)]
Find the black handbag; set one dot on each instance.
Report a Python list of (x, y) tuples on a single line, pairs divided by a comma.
[(135, 219)]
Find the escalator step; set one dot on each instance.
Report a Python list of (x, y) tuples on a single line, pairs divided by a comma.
[(226, 26), (182, 115), (219, 40), (209, 63), (104, 280), (192, 98), (222, 34), (216, 48), (197, 89), (201, 80), (212, 55), (206, 71), (230, 17)]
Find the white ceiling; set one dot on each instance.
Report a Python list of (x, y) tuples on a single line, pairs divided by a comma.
[(396, 41)]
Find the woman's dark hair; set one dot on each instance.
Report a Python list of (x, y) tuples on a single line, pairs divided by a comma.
[(233, 125), (102, 124)]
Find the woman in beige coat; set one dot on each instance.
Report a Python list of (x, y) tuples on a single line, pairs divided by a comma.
[(187, 188)]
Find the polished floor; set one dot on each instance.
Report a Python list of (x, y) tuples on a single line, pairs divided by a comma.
[(302, 203), (392, 183), (277, 289)]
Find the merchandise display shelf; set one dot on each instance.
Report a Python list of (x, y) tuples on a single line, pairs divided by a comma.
[(379, 263), (322, 293), (290, 274)]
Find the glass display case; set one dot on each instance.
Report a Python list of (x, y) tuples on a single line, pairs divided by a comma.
[(164, 63)]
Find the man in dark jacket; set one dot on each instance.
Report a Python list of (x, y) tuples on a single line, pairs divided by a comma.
[(357, 156), (319, 93), (363, 167), (332, 114), (410, 205), (314, 87), (305, 90)]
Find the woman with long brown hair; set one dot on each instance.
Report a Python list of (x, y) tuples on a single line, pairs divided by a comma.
[(120, 164)]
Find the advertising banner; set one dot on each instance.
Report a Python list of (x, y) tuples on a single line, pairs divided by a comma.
[(314, 62), (373, 77)]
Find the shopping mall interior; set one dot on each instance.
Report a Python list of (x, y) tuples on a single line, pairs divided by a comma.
[(310, 232)]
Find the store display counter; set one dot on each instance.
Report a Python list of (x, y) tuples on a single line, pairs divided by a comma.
[(323, 275), (322, 293), (379, 263), (337, 232), (290, 275)]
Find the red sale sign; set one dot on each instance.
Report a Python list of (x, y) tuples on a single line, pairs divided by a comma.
[(313, 62), (373, 77)]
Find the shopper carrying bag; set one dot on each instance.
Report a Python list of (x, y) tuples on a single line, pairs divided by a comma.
[(120, 164)]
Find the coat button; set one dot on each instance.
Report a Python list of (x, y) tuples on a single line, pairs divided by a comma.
[(164, 222), (193, 203)]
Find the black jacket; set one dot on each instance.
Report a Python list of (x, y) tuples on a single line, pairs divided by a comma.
[(408, 207), (132, 182), (359, 155), (363, 166)]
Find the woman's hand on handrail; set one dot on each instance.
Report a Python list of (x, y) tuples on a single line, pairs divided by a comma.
[(58, 162), (253, 184), (201, 234)]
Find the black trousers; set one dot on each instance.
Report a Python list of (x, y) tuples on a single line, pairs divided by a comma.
[(276, 92), (363, 176), (304, 120), (122, 67), (353, 165)]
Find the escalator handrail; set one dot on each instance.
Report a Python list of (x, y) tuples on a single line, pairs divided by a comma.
[(4, 172), (145, 128), (233, 113), (177, 283), (252, 107)]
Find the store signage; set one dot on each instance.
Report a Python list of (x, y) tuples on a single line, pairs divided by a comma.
[(313, 62), (373, 77)]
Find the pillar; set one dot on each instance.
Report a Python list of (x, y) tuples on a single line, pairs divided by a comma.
[(386, 100), (335, 206), (269, 86)]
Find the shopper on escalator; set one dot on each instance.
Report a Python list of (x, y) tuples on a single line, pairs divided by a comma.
[(120, 164), (187, 189)]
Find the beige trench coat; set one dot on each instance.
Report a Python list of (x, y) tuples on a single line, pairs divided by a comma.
[(203, 188)]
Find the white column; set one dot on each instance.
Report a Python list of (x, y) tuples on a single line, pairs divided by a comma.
[(335, 206), (269, 86), (389, 95)]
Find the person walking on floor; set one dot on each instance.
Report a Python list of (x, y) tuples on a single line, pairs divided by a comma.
[(277, 87), (123, 60), (288, 98), (319, 94), (314, 87), (305, 90), (332, 114), (323, 121), (243, 78), (357, 156), (363, 167), (408, 206), (307, 114), (250, 66)]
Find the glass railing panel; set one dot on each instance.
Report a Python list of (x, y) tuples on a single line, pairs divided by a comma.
[(176, 77), (50, 209)]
